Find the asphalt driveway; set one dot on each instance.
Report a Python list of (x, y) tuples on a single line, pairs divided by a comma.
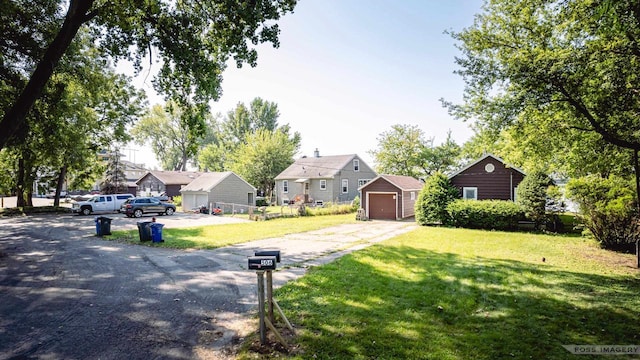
[(65, 293)]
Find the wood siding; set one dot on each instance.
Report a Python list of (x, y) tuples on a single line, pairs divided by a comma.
[(380, 186), (498, 185)]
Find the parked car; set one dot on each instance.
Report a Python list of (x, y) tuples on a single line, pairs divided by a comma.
[(100, 203), (136, 207)]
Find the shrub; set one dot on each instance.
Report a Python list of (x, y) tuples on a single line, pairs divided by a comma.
[(328, 209), (262, 202), (607, 209), (532, 196), (356, 203), (177, 200), (431, 205), (485, 214)]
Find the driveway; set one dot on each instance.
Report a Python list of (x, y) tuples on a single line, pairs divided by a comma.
[(65, 293)]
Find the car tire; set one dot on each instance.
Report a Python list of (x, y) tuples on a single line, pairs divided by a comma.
[(169, 211), (86, 211), (137, 213)]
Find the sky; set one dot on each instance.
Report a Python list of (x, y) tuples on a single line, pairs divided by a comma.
[(348, 70)]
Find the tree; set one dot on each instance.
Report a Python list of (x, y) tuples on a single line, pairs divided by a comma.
[(193, 40), (431, 205), (532, 196), (168, 135), (568, 65), (262, 156), (403, 150), (115, 180)]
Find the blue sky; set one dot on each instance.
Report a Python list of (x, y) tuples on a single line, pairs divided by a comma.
[(347, 70)]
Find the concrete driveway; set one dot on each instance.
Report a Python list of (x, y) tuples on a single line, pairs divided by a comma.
[(65, 293)]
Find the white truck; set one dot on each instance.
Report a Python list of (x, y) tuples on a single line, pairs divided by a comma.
[(100, 204)]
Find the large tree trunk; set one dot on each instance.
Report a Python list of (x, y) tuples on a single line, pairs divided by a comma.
[(61, 177), (636, 168), (16, 115), (20, 184)]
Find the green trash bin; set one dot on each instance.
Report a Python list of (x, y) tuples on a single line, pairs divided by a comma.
[(144, 230)]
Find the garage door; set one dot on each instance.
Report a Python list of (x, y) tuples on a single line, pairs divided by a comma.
[(382, 206)]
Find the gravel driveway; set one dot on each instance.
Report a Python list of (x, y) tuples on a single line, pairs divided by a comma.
[(66, 294)]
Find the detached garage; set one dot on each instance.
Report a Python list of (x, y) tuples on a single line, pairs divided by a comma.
[(390, 197), (212, 187)]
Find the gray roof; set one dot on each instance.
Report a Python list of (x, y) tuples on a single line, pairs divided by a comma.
[(207, 181), (323, 167), (405, 183), (173, 177)]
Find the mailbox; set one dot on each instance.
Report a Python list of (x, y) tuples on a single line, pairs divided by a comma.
[(262, 263), (275, 253)]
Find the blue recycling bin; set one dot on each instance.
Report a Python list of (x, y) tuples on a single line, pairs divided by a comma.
[(144, 230), (156, 232), (103, 226)]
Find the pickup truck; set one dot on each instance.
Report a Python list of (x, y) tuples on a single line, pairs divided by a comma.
[(100, 203)]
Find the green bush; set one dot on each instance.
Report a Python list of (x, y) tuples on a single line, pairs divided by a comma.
[(608, 210), (485, 214), (431, 205), (262, 202), (328, 209), (532, 196), (356, 203), (177, 200)]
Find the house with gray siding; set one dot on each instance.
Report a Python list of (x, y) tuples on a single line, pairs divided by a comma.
[(217, 187), (322, 179), (154, 183)]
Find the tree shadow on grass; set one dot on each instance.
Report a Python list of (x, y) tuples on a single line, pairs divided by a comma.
[(429, 305)]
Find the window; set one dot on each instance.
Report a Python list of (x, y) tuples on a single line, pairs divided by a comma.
[(285, 186), (356, 165), (345, 186), (323, 184), (363, 181), (413, 196), (470, 193)]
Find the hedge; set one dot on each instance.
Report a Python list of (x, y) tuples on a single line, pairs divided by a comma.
[(485, 214)]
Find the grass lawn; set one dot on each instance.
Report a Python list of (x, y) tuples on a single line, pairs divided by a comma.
[(440, 293), (214, 236)]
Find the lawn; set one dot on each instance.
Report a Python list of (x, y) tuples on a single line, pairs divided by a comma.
[(214, 236), (440, 293)]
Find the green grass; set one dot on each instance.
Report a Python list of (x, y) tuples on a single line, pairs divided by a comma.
[(214, 236), (440, 293)]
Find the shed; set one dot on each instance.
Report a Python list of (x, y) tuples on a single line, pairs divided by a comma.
[(488, 178), (169, 182), (390, 197), (213, 187)]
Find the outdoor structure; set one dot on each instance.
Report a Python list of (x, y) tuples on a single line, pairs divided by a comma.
[(154, 183), (321, 179), (390, 197), (213, 187), (488, 178)]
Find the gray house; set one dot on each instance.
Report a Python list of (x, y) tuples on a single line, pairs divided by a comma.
[(321, 179), (213, 187)]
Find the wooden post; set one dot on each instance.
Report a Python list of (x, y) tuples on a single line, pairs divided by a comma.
[(263, 330), (270, 295)]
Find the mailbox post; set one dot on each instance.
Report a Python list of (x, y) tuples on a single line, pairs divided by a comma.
[(275, 253), (262, 264)]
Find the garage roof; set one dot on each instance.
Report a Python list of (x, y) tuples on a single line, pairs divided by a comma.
[(405, 183)]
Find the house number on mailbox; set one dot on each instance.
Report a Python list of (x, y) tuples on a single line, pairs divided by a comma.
[(266, 262)]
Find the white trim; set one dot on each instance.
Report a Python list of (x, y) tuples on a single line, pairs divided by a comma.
[(356, 165), (383, 193), (475, 192), (323, 188), (285, 186), (342, 186)]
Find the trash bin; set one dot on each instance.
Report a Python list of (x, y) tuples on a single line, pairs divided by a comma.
[(156, 232), (144, 230), (103, 226)]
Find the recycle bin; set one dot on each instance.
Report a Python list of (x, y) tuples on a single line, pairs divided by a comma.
[(103, 226), (144, 230), (156, 232)]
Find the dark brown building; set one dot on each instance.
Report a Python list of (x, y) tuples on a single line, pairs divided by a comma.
[(488, 178), (170, 183), (390, 197)]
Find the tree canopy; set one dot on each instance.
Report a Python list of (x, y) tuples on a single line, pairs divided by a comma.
[(190, 40), (559, 77)]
